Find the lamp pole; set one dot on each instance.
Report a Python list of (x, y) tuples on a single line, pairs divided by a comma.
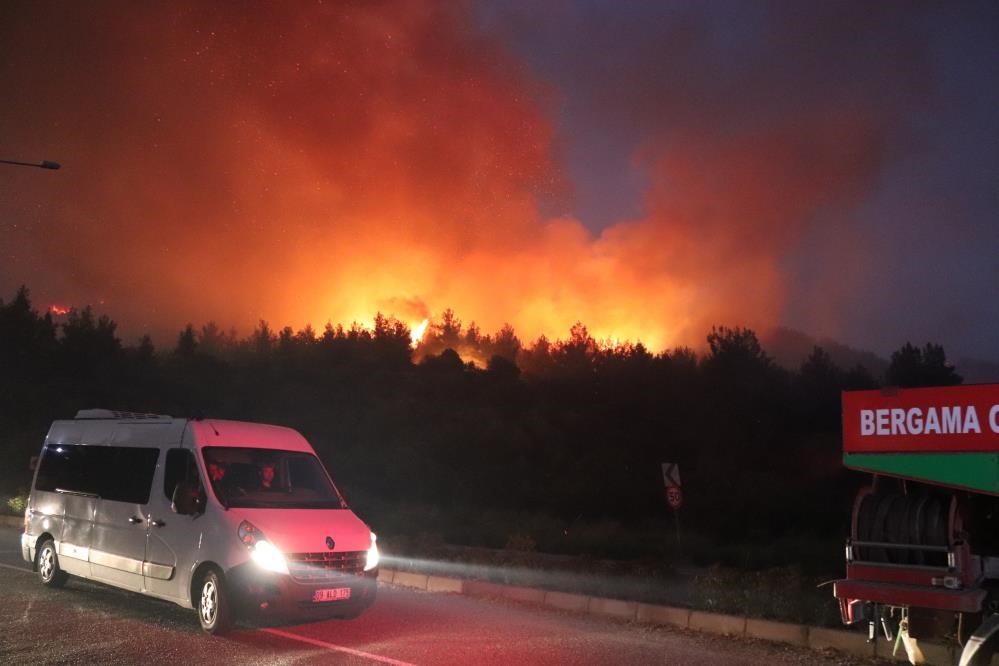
[(44, 164)]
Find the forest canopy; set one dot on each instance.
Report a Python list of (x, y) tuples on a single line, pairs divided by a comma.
[(573, 430)]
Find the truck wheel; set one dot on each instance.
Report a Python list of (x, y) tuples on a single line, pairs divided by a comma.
[(981, 646), (47, 563), (215, 610), (983, 657)]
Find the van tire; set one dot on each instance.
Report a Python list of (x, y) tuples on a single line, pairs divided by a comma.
[(215, 611), (47, 565)]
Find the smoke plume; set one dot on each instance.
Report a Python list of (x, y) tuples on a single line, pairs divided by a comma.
[(303, 163)]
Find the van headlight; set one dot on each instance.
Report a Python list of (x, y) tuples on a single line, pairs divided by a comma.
[(262, 551), (372, 554)]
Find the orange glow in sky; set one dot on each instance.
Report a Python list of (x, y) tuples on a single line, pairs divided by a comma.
[(304, 164)]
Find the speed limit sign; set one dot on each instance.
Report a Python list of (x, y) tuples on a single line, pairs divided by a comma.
[(674, 496)]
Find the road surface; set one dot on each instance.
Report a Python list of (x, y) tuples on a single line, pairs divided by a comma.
[(87, 623)]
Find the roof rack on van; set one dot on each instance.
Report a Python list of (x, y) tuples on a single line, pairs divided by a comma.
[(113, 414)]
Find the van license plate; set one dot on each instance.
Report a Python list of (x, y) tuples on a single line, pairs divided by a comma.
[(332, 594)]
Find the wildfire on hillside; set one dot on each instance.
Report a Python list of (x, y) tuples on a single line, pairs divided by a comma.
[(328, 164)]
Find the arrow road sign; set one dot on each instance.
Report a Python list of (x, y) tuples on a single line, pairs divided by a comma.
[(671, 475)]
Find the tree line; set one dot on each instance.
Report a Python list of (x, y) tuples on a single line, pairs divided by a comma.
[(569, 429)]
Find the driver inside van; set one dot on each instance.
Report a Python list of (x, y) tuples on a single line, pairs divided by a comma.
[(223, 482), (267, 476), (216, 472)]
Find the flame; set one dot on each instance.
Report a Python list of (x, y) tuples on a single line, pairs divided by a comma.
[(418, 332), (59, 310)]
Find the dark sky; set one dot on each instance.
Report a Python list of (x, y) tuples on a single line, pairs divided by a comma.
[(648, 168)]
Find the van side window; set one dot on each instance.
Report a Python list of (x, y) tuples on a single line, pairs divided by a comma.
[(118, 473), (180, 466), (65, 467), (130, 474)]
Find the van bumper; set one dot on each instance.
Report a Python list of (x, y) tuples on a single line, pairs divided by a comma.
[(259, 592), (27, 551)]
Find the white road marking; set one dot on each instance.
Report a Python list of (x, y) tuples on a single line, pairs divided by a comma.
[(11, 566), (337, 648)]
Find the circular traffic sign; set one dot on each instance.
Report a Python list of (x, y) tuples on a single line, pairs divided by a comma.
[(674, 496)]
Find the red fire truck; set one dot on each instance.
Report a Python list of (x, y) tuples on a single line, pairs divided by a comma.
[(922, 559)]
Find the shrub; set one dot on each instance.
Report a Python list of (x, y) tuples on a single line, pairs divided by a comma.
[(17, 503)]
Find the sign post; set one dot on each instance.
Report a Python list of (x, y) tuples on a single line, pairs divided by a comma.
[(674, 493)]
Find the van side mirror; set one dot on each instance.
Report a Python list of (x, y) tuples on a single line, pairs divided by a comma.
[(188, 499)]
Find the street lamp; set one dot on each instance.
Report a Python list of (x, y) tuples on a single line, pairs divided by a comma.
[(44, 164)]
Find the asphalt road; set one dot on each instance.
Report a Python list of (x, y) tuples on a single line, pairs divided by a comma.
[(87, 623)]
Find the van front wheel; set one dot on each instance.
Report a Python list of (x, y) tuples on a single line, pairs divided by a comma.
[(214, 605), (47, 563)]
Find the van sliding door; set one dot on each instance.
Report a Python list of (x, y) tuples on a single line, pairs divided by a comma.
[(118, 544)]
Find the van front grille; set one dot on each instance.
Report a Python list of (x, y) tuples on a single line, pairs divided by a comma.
[(328, 566)]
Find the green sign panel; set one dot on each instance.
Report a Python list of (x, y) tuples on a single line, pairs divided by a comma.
[(973, 471)]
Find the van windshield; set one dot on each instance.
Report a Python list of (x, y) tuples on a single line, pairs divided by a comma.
[(269, 479)]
